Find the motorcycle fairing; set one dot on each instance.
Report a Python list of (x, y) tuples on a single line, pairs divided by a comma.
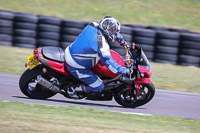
[(48, 56), (101, 69), (142, 81), (144, 70)]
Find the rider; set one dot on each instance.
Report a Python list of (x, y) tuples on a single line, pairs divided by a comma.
[(85, 52)]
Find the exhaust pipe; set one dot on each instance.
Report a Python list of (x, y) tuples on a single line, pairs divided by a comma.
[(42, 81)]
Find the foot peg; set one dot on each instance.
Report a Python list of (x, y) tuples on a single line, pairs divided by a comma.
[(74, 91)]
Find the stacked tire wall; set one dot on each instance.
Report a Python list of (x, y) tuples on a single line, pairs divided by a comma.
[(189, 50), (6, 28), (25, 30), (166, 47), (146, 38), (48, 31), (70, 29), (161, 44)]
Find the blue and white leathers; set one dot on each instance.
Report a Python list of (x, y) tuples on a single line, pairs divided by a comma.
[(85, 52)]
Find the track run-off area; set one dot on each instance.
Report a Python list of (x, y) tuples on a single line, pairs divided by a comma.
[(165, 103)]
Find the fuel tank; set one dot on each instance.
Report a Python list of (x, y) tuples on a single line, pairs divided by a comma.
[(101, 69)]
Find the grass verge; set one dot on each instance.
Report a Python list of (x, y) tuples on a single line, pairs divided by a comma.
[(21, 117), (168, 13), (164, 76)]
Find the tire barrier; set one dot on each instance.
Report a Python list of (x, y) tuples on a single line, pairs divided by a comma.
[(161, 44), (6, 27), (146, 38), (165, 51), (70, 29), (48, 31), (24, 31), (189, 53)]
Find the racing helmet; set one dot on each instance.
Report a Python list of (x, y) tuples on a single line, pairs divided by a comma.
[(110, 27)]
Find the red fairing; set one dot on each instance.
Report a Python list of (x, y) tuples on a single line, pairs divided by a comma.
[(139, 82), (144, 70), (54, 65), (58, 67), (142, 81), (101, 69)]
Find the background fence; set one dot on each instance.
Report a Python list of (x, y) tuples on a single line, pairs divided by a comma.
[(163, 45)]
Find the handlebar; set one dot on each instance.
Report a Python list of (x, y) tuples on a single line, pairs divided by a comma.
[(130, 63)]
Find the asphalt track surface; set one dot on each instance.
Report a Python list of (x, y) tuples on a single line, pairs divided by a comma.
[(165, 103)]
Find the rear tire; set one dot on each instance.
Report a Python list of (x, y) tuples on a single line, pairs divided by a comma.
[(122, 100), (27, 80)]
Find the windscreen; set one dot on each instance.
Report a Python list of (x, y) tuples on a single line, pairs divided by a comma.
[(144, 62)]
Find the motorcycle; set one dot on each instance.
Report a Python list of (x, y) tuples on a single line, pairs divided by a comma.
[(47, 76)]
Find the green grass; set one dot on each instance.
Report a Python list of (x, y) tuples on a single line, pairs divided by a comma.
[(168, 13), (164, 76), (13, 59), (174, 77), (20, 117)]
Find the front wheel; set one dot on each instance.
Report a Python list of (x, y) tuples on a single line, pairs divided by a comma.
[(30, 88), (124, 97)]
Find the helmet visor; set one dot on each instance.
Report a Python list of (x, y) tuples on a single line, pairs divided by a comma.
[(113, 29)]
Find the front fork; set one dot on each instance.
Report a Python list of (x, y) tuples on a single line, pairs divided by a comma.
[(136, 77), (135, 86), (133, 89)]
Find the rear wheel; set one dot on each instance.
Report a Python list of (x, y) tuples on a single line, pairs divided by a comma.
[(30, 88), (124, 97)]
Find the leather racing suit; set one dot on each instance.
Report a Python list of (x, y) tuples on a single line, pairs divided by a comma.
[(85, 52)]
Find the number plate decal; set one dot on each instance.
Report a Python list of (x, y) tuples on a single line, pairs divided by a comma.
[(32, 61)]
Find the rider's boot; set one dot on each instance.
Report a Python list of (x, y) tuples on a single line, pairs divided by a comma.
[(76, 91)]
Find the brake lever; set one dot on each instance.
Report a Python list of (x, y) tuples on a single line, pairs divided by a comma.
[(131, 75), (132, 78)]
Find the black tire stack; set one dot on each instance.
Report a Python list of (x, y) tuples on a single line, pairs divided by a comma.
[(70, 31), (146, 39), (6, 27), (163, 45), (167, 47), (48, 31), (25, 25), (189, 51)]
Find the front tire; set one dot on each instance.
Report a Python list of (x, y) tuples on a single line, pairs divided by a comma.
[(124, 98), (30, 88)]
